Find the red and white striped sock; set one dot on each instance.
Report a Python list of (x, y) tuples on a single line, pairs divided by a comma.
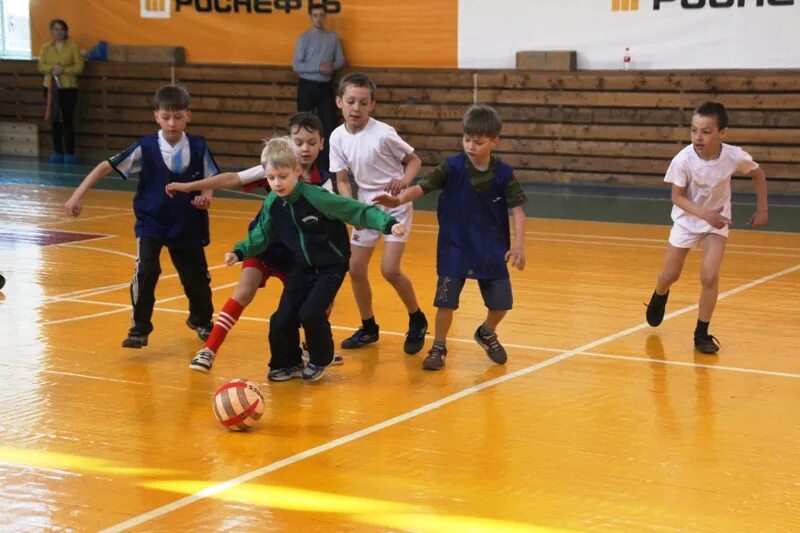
[(226, 319)]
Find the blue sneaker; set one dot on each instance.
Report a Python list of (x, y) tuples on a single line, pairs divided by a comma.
[(313, 372), (70, 159), (56, 158), (360, 338)]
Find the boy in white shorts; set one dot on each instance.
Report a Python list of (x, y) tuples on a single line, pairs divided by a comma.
[(701, 190), (376, 155)]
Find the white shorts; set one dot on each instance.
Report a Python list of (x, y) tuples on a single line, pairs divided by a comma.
[(680, 237), (370, 237)]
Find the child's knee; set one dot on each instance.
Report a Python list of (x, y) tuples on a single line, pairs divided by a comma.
[(709, 279), (391, 274)]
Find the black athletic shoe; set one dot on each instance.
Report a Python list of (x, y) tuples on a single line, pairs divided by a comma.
[(494, 350), (656, 308), (135, 340), (706, 344), (415, 337), (360, 338), (203, 331)]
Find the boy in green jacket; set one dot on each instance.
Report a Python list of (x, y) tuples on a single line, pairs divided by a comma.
[(310, 222)]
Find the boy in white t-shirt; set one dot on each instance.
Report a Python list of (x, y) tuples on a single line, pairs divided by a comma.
[(701, 190), (380, 161)]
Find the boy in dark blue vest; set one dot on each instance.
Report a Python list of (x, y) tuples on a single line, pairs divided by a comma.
[(180, 224), (474, 241)]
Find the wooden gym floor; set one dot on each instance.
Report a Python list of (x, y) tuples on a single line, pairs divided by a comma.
[(597, 423)]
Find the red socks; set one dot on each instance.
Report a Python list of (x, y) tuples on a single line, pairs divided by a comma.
[(226, 319)]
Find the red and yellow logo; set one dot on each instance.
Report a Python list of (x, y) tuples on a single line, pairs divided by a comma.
[(624, 5)]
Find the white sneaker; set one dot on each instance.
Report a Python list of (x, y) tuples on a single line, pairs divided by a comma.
[(203, 360)]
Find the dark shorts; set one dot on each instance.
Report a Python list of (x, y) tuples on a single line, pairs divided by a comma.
[(496, 293)]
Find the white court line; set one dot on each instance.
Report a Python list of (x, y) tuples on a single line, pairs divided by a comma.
[(695, 365), (633, 245), (122, 308), (94, 291), (87, 219), (288, 461), (94, 248)]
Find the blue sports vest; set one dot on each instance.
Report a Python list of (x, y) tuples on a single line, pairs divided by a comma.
[(474, 233), (173, 221)]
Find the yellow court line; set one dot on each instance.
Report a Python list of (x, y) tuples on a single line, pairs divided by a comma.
[(346, 439)]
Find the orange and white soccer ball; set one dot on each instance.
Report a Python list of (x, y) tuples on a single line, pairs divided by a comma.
[(238, 404)]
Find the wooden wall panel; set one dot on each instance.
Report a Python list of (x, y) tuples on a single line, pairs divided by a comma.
[(571, 127)]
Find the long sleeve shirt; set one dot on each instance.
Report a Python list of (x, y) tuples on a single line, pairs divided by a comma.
[(68, 56), (313, 48)]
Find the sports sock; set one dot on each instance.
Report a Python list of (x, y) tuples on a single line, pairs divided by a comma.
[(701, 330), (226, 319), (369, 325)]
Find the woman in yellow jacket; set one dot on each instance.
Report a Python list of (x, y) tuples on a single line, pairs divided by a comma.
[(60, 61)]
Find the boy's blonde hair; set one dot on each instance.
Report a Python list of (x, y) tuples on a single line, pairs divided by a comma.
[(278, 152)]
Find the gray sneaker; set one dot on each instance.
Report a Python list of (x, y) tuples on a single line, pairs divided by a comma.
[(203, 360), (435, 358), (313, 372), (337, 358), (285, 374), (493, 348)]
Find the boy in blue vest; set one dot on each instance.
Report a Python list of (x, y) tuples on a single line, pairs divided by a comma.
[(474, 242), (180, 224)]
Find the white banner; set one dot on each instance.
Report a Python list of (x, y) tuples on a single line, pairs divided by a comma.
[(661, 34)]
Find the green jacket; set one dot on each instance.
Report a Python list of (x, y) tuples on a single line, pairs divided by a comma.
[(310, 222)]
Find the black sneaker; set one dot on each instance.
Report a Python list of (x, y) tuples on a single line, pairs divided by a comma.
[(203, 360), (360, 338), (706, 344), (435, 358), (203, 331), (493, 348), (135, 340), (415, 337), (656, 308)]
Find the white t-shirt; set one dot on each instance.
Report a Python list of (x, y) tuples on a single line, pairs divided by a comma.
[(373, 154), (707, 183)]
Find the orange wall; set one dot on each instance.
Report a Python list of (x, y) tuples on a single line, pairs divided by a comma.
[(396, 33)]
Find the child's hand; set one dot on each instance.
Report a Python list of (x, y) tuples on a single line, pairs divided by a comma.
[(758, 219), (201, 202), (716, 218), (72, 207), (231, 259), (174, 187), (517, 256), (395, 186), (398, 230), (386, 200)]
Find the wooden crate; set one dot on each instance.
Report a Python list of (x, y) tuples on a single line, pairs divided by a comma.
[(565, 60), (19, 138)]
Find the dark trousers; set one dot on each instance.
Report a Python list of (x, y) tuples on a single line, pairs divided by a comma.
[(62, 120), (192, 271), (317, 96), (307, 295)]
